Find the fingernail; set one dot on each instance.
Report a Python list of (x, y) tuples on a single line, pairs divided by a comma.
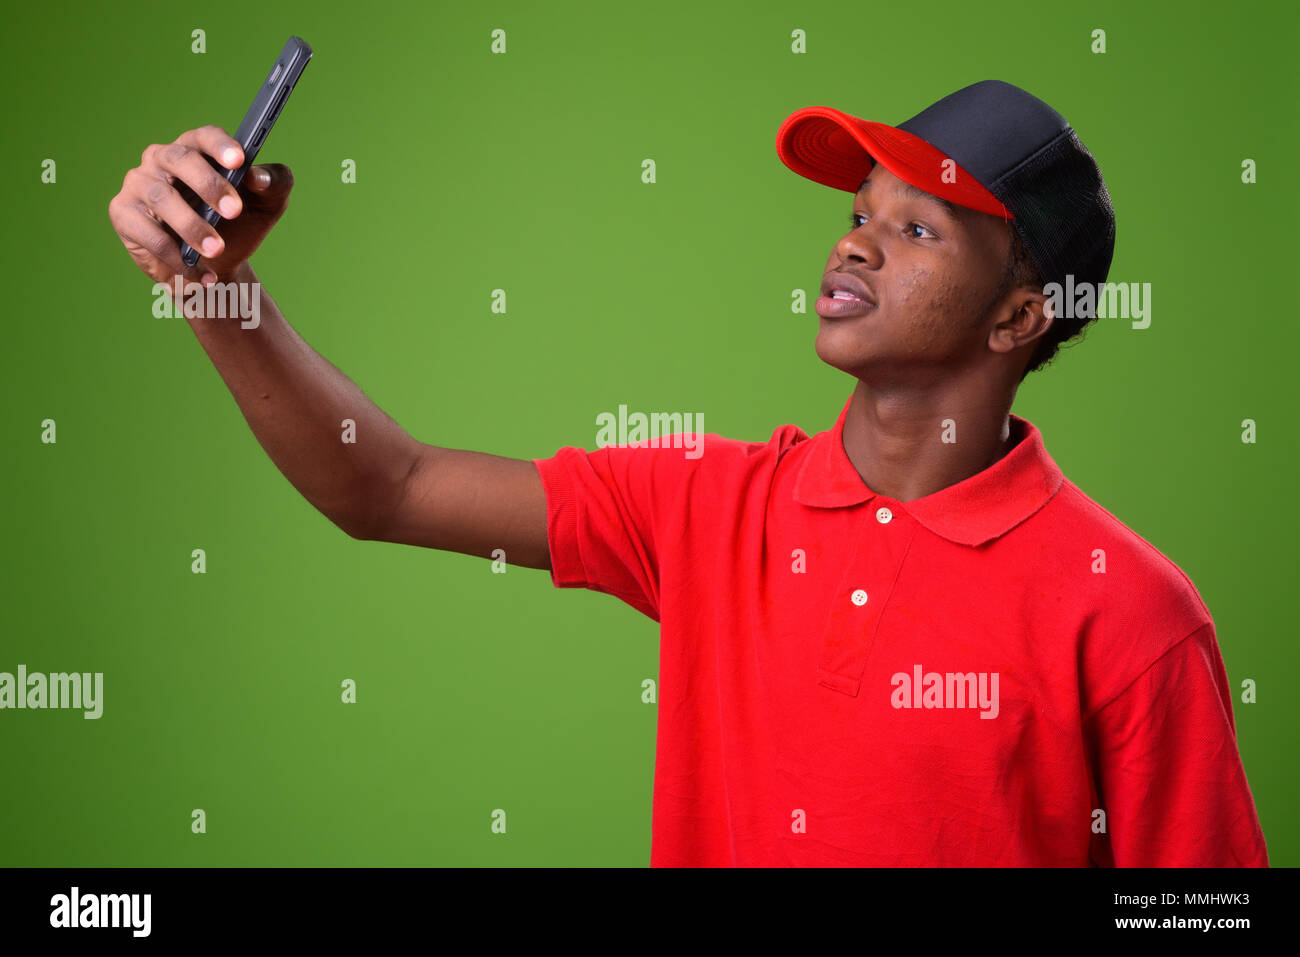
[(229, 206), (262, 177), (211, 246), (230, 155), (208, 278)]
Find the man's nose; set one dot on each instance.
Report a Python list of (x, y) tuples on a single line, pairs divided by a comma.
[(862, 243)]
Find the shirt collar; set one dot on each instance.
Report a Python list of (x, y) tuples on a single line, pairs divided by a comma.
[(975, 510)]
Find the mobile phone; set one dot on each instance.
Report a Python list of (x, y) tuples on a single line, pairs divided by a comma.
[(257, 123)]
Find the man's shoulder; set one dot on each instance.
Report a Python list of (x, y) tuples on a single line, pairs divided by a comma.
[(1145, 570), (729, 463), (711, 453), (784, 438), (671, 467), (1136, 603)]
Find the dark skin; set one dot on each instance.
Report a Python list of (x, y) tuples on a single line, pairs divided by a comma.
[(935, 347), (941, 344), (387, 486)]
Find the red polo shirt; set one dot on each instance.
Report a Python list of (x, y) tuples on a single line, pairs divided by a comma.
[(1000, 673)]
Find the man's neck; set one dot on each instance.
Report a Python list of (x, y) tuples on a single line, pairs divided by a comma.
[(905, 449)]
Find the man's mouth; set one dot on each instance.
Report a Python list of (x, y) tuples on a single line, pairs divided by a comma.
[(843, 305), (844, 294)]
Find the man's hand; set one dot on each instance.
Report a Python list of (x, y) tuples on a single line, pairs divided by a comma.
[(387, 486), (152, 212)]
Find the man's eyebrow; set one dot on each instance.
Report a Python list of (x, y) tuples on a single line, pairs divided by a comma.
[(916, 193)]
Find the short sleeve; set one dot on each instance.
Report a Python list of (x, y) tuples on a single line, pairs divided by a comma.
[(604, 510), (1167, 769)]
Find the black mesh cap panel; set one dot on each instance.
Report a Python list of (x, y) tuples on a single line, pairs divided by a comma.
[(1062, 210)]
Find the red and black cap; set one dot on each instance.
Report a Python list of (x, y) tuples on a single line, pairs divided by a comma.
[(991, 147)]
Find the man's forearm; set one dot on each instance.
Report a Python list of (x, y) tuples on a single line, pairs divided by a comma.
[(296, 403)]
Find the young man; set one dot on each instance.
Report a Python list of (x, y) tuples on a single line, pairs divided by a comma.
[(905, 641)]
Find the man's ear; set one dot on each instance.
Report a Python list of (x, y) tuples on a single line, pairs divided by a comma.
[(1026, 315)]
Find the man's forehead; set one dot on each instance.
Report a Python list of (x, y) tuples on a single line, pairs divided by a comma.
[(901, 185)]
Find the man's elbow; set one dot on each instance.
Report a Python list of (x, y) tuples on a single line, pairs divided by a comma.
[(360, 515), (361, 530), (371, 511)]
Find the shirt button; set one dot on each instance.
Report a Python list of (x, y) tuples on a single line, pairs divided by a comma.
[(859, 597), (883, 515)]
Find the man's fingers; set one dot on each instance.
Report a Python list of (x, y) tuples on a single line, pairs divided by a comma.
[(164, 203), (151, 247), (217, 143), (189, 167)]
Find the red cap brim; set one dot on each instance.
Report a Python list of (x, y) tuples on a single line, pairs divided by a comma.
[(832, 148)]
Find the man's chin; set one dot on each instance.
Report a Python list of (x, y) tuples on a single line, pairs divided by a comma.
[(842, 346), (849, 361)]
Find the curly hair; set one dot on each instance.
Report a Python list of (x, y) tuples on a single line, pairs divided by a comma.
[(1021, 271)]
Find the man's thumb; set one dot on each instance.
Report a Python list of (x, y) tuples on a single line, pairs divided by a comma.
[(270, 179)]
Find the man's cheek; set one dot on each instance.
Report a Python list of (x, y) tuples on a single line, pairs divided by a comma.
[(931, 302), (913, 290)]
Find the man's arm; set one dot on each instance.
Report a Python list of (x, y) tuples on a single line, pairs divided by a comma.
[(385, 486), (1167, 768)]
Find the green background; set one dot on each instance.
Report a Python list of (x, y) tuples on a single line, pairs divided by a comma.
[(522, 171)]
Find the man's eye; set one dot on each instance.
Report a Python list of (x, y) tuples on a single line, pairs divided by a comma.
[(854, 224)]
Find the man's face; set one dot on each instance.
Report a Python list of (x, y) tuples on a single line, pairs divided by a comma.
[(933, 272)]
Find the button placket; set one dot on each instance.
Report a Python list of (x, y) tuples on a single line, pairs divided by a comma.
[(880, 545)]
